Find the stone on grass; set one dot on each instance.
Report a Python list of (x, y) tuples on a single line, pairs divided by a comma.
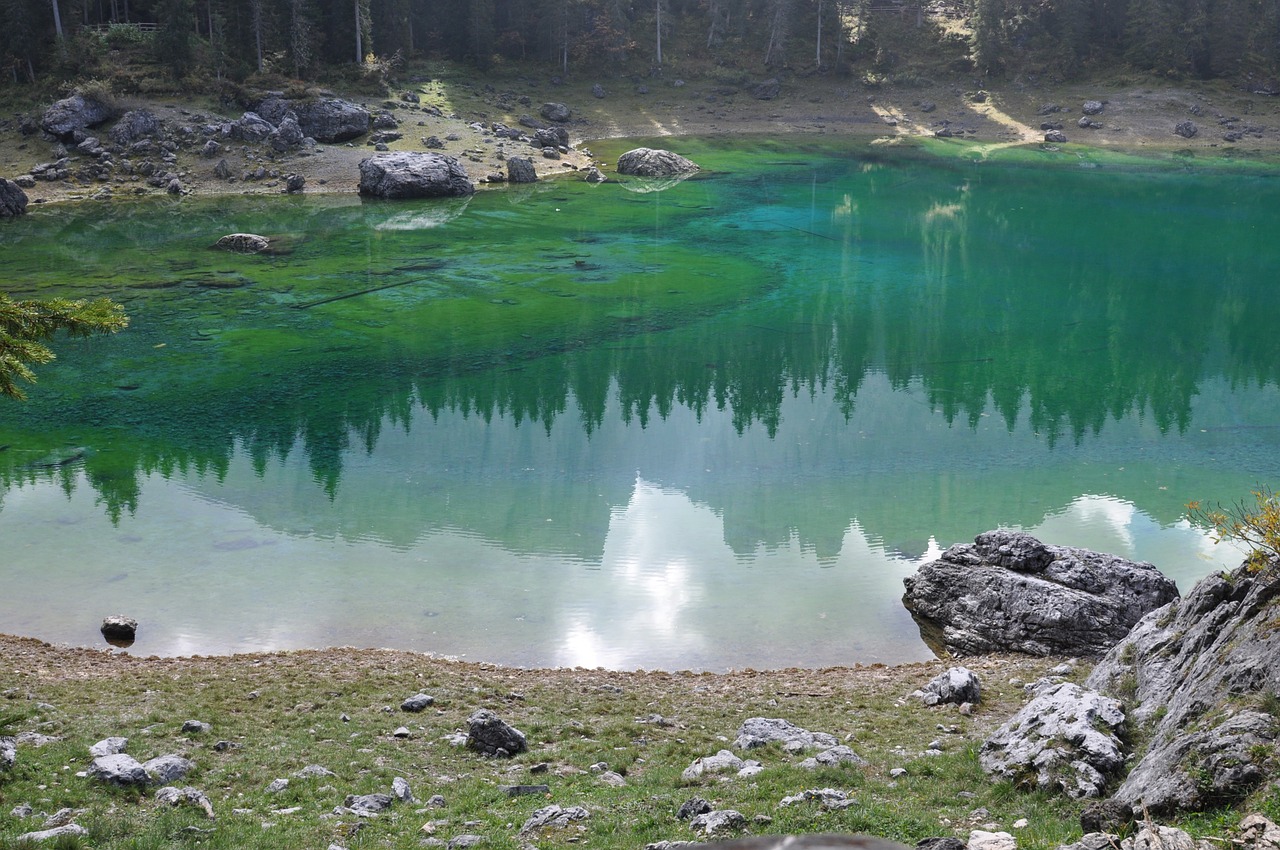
[(940, 843), (401, 791), (1156, 837), (833, 757), (458, 842), (554, 816), (722, 762), (8, 752), (759, 731), (195, 727), (524, 790), (982, 840), (718, 822), (313, 771), (191, 796), (823, 796), (277, 785), (49, 834), (1064, 739), (957, 685), (119, 769), (692, 807), (616, 780), (555, 112), (168, 768), (489, 735), (417, 702), (367, 804)]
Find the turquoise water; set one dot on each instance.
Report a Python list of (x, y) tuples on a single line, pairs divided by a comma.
[(705, 427)]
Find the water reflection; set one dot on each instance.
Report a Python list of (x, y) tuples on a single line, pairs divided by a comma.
[(632, 418)]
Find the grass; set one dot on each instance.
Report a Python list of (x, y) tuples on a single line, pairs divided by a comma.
[(285, 711)]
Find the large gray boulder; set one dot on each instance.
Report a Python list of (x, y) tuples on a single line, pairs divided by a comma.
[(1008, 592), (13, 201), (520, 170), (168, 768), (77, 112), (408, 174), (1067, 738), (286, 136), (135, 125), (555, 112), (654, 162), (489, 735), (252, 127), (331, 119), (1201, 677)]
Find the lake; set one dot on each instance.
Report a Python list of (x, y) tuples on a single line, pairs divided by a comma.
[(707, 425)]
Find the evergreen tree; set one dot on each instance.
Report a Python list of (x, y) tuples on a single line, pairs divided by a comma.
[(25, 326)]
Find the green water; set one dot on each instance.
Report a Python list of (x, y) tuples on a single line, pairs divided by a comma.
[(705, 427)]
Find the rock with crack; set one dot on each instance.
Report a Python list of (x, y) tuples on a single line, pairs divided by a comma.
[(119, 769), (1064, 739), (1008, 592), (77, 112), (1200, 676), (168, 768), (553, 816), (13, 201), (71, 829)]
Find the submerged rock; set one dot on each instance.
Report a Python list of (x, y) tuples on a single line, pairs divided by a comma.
[(243, 243)]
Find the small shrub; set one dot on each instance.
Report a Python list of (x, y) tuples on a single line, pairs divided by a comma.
[(1257, 526)]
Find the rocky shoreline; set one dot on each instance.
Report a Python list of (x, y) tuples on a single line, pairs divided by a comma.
[(83, 149)]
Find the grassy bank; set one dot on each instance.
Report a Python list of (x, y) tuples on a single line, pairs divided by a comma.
[(340, 708)]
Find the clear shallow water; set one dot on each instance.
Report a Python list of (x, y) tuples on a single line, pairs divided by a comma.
[(707, 427)]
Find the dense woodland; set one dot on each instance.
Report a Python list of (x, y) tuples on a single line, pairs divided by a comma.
[(214, 40)]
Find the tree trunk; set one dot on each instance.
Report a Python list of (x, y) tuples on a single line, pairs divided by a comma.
[(255, 8), (359, 27), (817, 53), (57, 20), (658, 16)]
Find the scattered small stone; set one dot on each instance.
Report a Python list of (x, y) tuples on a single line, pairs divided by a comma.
[(823, 796), (119, 769), (401, 791), (1056, 137), (524, 790), (108, 747), (692, 807), (1186, 129), (367, 804), (718, 822), (436, 801), (401, 732), (490, 735), (613, 779), (940, 844), (59, 818), (722, 762), (57, 832), (467, 840), (223, 746), (195, 727), (834, 756), (417, 702), (957, 685), (554, 816), (759, 731), (982, 840), (1021, 823), (193, 796), (897, 772), (1092, 107), (277, 785), (168, 768), (540, 767), (22, 810)]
